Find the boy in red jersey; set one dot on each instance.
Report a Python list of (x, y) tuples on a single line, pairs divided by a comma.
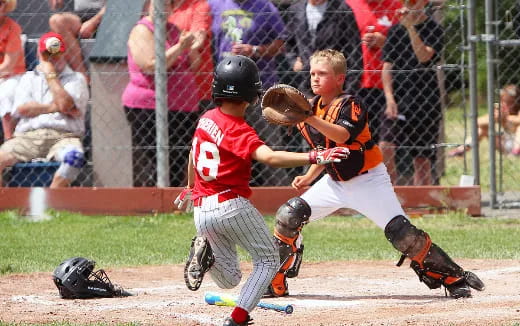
[(223, 148)]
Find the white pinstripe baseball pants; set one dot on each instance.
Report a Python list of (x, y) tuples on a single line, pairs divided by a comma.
[(237, 222)]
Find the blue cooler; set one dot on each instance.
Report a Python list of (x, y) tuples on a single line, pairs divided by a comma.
[(30, 174)]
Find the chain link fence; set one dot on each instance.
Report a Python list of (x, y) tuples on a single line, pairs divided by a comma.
[(433, 97), (492, 40)]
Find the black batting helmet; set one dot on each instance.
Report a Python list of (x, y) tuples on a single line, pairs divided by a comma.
[(237, 77)]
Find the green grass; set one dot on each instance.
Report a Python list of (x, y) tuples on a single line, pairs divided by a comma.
[(164, 239), (116, 241)]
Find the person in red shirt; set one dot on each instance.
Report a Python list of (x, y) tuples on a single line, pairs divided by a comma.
[(12, 65), (220, 163), (195, 16), (374, 18)]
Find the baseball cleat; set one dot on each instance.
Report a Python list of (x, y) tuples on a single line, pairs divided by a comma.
[(199, 262), (459, 289), (473, 281), (230, 322), (462, 288)]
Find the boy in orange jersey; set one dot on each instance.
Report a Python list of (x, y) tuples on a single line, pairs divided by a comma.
[(340, 120)]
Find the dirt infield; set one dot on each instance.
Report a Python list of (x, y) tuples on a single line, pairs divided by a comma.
[(343, 293)]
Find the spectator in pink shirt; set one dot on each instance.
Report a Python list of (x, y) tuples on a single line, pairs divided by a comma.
[(139, 98)]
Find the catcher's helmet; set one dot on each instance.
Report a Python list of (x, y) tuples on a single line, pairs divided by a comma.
[(75, 279), (237, 77)]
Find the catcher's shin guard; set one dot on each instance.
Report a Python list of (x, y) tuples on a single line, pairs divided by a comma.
[(291, 252), (433, 266), (290, 218)]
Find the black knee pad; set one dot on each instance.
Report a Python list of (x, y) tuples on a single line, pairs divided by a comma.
[(404, 236), (291, 217)]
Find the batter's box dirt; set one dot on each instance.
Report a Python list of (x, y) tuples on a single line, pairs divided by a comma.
[(332, 293)]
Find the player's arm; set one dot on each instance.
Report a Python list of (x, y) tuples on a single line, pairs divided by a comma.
[(280, 159), (184, 197), (332, 131), (191, 171), (283, 159)]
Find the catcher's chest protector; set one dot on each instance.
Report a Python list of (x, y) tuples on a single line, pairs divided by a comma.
[(364, 154)]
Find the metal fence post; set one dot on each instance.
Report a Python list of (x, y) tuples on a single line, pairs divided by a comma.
[(161, 104), (473, 89), (489, 39)]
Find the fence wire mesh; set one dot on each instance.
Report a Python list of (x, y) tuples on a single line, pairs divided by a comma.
[(428, 139)]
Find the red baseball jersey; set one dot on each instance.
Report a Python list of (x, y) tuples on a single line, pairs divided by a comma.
[(221, 148), (374, 16)]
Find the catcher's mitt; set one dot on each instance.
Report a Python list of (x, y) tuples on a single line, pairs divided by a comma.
[(285, 105)]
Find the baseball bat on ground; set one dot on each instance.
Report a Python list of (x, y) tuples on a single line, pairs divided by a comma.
[(230, 301)]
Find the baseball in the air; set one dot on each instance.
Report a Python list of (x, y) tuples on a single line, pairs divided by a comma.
[(53, 45)]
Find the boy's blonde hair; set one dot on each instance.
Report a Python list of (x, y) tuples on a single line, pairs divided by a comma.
[(335, 58)]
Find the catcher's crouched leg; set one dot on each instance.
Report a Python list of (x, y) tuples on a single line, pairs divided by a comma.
[(433, 266), (290, 218)]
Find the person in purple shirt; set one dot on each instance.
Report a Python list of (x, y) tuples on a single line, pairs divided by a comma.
[(253, 28), (248, 27)]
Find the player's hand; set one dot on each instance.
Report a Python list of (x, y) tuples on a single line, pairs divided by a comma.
[(185, 198), (329, 155), (301, 182)]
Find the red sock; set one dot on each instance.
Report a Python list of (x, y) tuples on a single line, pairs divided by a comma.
[(239, 315)]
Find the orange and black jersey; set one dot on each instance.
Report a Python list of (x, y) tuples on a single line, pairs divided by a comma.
[(346, 111)]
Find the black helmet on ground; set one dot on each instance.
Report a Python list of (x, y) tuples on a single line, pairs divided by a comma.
[(75, 279)]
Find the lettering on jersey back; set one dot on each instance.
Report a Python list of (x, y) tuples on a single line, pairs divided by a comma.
[(212, 129)]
